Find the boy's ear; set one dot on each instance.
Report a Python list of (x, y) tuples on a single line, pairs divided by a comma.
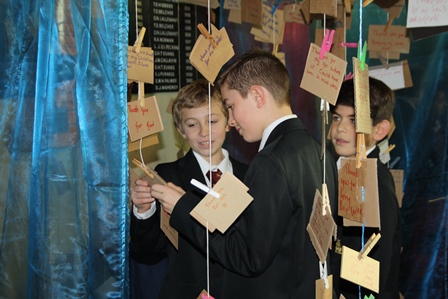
[(258, 94), (181, 133), (380, 130), (227, 127)]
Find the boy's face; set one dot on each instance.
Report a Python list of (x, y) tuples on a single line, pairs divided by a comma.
[(343, 131), (243, 114), (198, 126)]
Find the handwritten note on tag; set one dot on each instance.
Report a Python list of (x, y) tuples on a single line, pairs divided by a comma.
[(352, 207), (321, 228), (323, 77), (165, 226), (232, 4), (395, 75), (209, 60), (394, 39), (273, 27), (321, 291), (251, 12), (363, 122), (292, 13), (221, 212), (364, 272), (144, 120), (141, 65), (424, 14)]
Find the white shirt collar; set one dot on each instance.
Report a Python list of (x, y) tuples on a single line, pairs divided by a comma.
[(225, 165), (271, 127)]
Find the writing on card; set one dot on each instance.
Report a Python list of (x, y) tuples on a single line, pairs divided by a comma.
[(221, 212), (321, 228), (395, 75), (144, 120), (232, 4), (251, 12), (209, 60), (324, 7), (323, 77), (356, 209), (141, 65), (427, 14), (273, 27), (363, 122), (321, 291), (364, 272), (393, 39), (292, 13)]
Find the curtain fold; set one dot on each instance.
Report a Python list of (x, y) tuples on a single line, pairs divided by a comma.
[(63, 150)]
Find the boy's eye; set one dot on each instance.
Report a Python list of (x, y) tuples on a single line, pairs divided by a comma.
[(352, 120), (191, 125), (336, 118)]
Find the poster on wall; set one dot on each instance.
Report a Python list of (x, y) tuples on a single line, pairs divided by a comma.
[(171, 33)]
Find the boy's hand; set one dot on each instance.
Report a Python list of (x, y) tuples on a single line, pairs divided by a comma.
[(168, 195), (141, 196)]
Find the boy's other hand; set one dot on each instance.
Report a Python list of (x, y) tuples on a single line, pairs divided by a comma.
[(141, 196), (168, 195)]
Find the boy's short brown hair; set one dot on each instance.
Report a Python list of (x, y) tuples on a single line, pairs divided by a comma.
[(195, 95), (258, 67), (382, 99)]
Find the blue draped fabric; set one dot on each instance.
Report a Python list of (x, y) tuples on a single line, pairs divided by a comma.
[(63, 149)]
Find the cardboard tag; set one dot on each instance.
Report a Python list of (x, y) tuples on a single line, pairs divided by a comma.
[(232, 4), (321, 228), (235, 16), (292, 13), (363, 121), (327, 7), (351, 206), (398, 175), (221, 212), (323, 77), (208, 60), (144, 120), (141, 65), (305, 8), (273, 27), (321, 291), (395, 75), (364, 272), (395, 10), (384, 55), (251, 12), (393, 39)]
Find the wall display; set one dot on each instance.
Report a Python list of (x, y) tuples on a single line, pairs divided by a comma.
[(171, 33)]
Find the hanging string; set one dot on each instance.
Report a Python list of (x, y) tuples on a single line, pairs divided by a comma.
[(360, 29), (210, 159), (141, 155), (136, 21)]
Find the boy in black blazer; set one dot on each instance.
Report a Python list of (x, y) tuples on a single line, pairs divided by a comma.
[(267, 251), (343, 137), (205, 132)]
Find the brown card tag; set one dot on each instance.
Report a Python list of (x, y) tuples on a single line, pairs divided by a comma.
[(324, 7), (395, 75), (393, 39), (321, 228), (251, 12), (351, 205), (273, 28), (221, 212), (363, 122), (323, 77), (293, 14), (364, 272), (141, 65), (144, 120), (321, 291), (209, 60), (170, 232)]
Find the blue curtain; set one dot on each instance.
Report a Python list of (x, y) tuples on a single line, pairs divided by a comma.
[(63, 149)]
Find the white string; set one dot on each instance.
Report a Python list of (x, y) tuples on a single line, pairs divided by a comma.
[(360, 30), (141, 155), (210, 158), (136, 21)]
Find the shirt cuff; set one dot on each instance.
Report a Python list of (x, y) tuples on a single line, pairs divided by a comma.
[(146, 214)]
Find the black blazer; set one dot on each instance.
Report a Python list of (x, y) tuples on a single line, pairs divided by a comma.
[(267, 252), (187, 268), (388, 249)]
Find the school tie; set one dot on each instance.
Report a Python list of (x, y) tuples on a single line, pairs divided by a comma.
[(216, 175)]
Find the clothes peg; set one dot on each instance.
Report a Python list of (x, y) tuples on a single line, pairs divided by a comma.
[(138, 42), (360, 149), (326, 43), (205, 33), (369, 245)]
